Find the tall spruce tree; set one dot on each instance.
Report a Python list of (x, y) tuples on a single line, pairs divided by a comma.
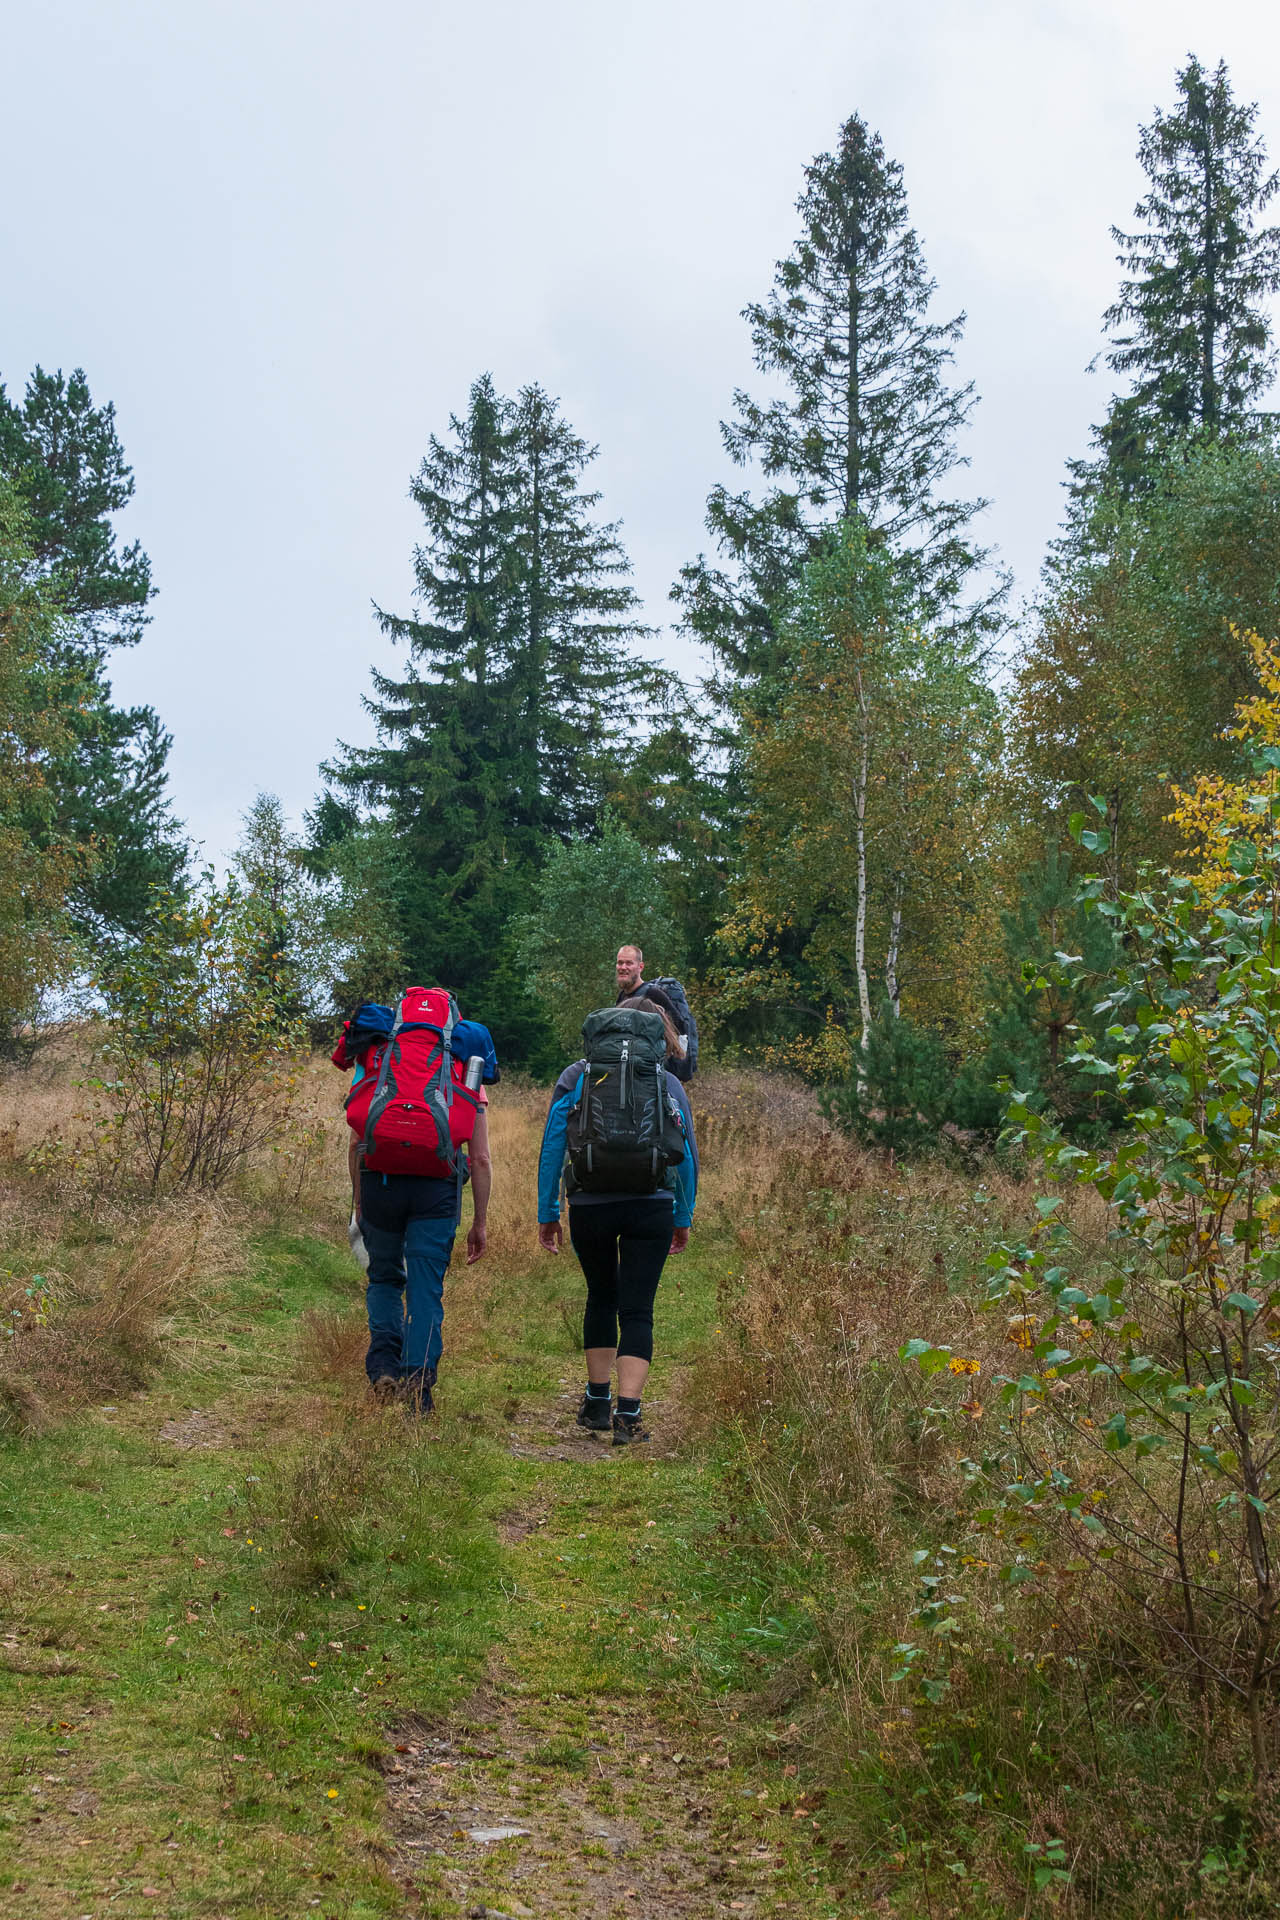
[(866, 430), (1190, 324), (64, 455), (441, 768), (582, 687), (39, 865), (108, 785), (497, 738)]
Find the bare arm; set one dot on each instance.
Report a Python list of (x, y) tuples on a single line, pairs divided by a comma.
[(481, 1187)]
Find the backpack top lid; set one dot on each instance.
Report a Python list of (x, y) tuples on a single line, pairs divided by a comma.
[(605, 1031)]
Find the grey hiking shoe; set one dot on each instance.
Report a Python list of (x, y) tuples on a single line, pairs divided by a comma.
[(627, 1428), (384, 1389), (596, 1412)]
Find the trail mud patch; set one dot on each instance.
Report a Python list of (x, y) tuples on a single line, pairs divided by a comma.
[(553, 1433), (517, 1525), (197, 1429), (503, 1811)]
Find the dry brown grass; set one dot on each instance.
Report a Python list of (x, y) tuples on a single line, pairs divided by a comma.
[(331, 1346), (114, 1270), (89, 1282), (85, 1313), (1058, 1711)]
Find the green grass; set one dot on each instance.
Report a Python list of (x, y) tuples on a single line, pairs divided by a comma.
[(213, 1697), (205, 1645)]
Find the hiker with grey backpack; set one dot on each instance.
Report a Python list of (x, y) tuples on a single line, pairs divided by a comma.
[(667, 994), (619, 1136)]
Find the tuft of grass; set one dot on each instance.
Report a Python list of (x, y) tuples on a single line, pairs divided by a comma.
[(561, 1752), (332, 1344)]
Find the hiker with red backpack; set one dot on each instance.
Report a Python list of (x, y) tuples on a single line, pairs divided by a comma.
[(417, 1101), (619, 1134)]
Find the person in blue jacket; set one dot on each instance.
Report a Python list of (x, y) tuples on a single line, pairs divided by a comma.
[(622, 1241)]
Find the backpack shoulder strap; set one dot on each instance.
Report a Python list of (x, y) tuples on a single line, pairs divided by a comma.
[(442, 1097), (383, 1090)]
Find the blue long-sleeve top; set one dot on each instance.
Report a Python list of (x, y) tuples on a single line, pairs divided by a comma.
[(681, 1180)]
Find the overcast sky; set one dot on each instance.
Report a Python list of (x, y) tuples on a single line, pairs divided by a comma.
[(283, 238)]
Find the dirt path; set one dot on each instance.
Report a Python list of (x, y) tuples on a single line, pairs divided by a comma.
[(570, 1783), (270, 1654)]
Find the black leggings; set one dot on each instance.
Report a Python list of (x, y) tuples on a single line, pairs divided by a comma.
[(622, 1246)]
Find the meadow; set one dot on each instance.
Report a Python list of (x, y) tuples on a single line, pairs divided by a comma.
[(267, 1649)]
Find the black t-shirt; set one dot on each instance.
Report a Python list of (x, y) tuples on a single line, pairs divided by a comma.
[(391, 1200)]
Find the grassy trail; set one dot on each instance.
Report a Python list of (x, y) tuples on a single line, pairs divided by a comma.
[(267, 1651)]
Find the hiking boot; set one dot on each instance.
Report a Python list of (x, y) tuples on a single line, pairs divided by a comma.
[(596, 1412), (385, 1388), (626, 1428)]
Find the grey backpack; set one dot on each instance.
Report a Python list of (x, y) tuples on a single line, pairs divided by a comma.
[(624, 1130)]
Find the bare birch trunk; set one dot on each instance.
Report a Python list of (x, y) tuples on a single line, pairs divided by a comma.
[(860, 925), (891, 986)]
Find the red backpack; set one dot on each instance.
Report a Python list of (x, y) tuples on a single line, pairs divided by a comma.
[(411, 1111)]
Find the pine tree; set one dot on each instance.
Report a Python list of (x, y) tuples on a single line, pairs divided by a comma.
[(900, 1096), (582, 688), (64, 456), (441, 767), (1190, 323), (39, 863), (867, 429), (519, 687), (296, 948), (1037, 1007), (109, 784), (674, 797)]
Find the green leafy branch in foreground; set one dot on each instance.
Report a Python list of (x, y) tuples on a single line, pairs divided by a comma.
[(1141, 1435)]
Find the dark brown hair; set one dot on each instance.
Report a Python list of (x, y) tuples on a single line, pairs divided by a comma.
[(643, 1005)]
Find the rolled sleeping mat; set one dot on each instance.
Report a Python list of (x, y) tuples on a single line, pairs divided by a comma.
[(355, 1240)]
